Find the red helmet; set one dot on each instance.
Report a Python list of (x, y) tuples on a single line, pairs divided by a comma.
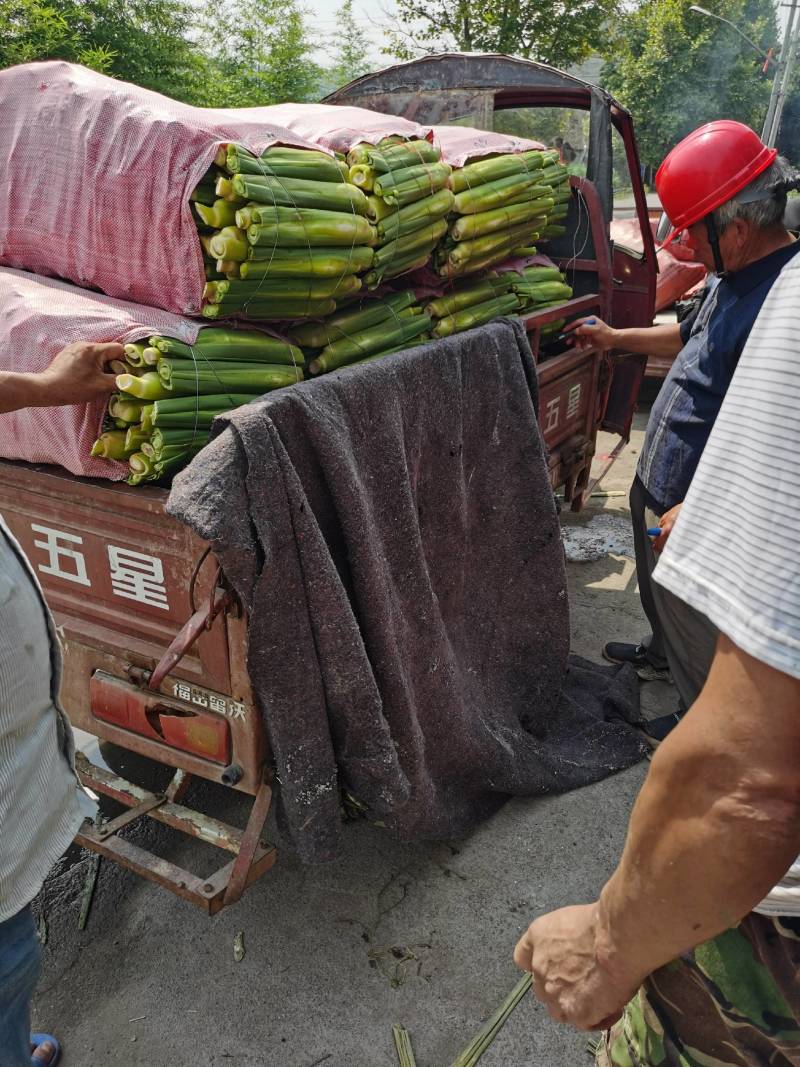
[(708, 168)]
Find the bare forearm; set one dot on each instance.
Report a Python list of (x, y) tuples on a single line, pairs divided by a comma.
[(709, 835), (20, 391), (650, 340), (77, 375)]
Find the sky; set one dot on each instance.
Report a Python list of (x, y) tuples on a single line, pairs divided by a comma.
[(370, 17)]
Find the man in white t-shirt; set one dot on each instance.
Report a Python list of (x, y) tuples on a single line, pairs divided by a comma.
[(39, 798), (692, 953)]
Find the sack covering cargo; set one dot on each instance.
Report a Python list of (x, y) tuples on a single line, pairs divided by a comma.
[(98, 176), (465, 144), (173, 378), (340, 128)]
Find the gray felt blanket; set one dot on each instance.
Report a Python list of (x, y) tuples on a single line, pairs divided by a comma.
[(392, 533)]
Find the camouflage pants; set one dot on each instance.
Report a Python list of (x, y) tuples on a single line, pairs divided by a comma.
[(733, 1002)]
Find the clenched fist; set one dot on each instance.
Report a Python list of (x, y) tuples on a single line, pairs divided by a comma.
[(576, 973)]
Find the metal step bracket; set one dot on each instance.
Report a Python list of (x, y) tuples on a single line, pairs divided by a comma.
[(252, 856)]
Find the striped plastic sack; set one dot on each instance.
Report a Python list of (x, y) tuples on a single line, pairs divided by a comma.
[(340, 128), (40, 316), (462, 144), (97, 178)]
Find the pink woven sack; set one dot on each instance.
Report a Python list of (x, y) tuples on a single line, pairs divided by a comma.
[(97, 175), (462, 144), (41, 316), (341, 128)]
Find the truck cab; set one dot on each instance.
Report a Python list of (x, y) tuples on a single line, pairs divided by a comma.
[(581, 390)]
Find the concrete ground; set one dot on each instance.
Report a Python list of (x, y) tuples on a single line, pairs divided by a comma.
[(420, 935)]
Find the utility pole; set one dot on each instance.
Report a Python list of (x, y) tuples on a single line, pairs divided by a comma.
[(780, 84)]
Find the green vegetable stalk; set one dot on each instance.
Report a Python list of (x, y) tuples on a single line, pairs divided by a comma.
[(400, 223), (224, 343), (309, 228), (230, 243), (111, 445), (412, 261), (171, 365), (301, 193), (266, 309), (503, 218), (346, 323), (551, 328), (414, 189), (141, 468), (378, 209), (486, 289), (134, 352), (317, 263), (363, 176), (124, 409), (476, 315), (543, 292), (285, 163), (135, 437), (384, 335), (287, 288), (421, 340), (146, 387), (400, 249), (226, 190), (191, 412), (554, 175), (490, 169), (399, 156), (498, 194), (432, 175), (221, 213), (194, 381), (473, 266), (482, 246), (532, 275)]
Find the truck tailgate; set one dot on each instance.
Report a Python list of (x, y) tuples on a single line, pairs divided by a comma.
[(122, 578)]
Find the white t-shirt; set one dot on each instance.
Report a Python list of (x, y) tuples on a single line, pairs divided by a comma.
[(734, 554), (39, 794)]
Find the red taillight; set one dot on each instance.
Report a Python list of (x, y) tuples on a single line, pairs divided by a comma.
[(150, 715)]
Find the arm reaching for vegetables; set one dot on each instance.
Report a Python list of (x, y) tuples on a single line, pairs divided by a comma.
[(76, 375), (649, 340)]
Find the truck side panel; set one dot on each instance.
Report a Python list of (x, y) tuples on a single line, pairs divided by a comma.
[(116, 571)]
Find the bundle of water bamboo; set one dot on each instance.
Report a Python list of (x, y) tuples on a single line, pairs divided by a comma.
[(476, 301), (502, 205), (367, 330), (407, 201), (284, 234), (171, 392)]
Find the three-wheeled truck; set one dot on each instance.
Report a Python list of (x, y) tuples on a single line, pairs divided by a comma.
[(154, 640)]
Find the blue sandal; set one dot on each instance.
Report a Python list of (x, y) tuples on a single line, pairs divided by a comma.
[(39, 1039)]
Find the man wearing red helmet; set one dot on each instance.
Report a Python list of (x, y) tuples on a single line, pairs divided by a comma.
[(725, 194)]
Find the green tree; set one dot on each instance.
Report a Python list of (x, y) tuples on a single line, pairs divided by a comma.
[(674, 69), (259, 52), (558, 32), (142, 41), (350, 51)]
